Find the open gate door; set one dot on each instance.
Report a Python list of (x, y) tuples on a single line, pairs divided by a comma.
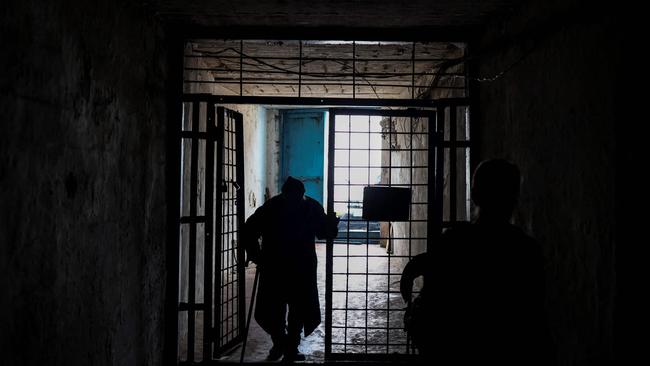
[(378, 148), (211, 298)]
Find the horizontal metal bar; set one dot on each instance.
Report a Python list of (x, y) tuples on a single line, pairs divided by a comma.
[(392, 185), (291, 75), (361, 202), (373, 328), (305, 101), (381, 166), (378, 149), (357, 220), (375, 357), (341, 83), (231, 316), (446, 144), (369, 256), (395, 112), (367, 274), (248, 56), (369, 291), (349, 344), (321, 83), (228, 284), (375, 132)]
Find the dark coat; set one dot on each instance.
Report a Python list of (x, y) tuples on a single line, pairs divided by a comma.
[(489, 280), (287, 260)]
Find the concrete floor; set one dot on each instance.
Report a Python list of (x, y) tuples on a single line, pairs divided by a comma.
[(356, 340)]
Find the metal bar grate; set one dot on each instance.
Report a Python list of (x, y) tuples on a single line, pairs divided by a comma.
[(316, 68), (210, 267), (365, 261), (231, 284), (195, 231), (398, 148)]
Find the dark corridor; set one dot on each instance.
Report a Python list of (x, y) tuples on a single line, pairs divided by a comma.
[(91, 157)]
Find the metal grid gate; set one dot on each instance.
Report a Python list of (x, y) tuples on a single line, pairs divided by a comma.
[(364, 311), (211, 273), (230, 259), (359, 70)]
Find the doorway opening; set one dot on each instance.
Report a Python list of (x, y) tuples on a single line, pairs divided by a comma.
[(255, 112)]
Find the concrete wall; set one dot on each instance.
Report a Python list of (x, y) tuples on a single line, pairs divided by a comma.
[(273, 147), (552, 113), (255, 138), (82, 198), (399, 232), (261, 137)]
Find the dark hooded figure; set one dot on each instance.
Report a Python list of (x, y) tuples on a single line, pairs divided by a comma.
[(487, 277), (287, 224), (491, 277)]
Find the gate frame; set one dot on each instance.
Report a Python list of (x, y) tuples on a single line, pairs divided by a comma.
[(435, 171), (213, 137)]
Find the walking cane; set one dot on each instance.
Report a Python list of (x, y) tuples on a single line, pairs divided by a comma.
[(250, 313)]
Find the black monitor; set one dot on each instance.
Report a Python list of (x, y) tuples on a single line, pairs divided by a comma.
[(383, 203)]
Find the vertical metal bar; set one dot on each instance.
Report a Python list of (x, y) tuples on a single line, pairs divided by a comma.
[(231, 223), (411, 179), (435, 176), (347, 242), (300, 71), (354, 72), (227, 181), (208, 337), (240, 220), (218, 298), (329, 251), (390, 234), (452, 165), (241, 67), (413, 71), (410, 254), (192, 243), (367, 242)]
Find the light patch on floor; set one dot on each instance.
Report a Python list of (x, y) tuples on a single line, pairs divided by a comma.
[(313, 346)]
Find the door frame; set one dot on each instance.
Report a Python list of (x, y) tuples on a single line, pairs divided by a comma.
[(283, 126), (174, 172), (220, 131), (435, 166)]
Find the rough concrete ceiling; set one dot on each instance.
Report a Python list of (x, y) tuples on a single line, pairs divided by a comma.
[(334, 13)]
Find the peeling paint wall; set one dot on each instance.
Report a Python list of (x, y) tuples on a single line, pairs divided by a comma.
[(255, 152), (273, 147), (82, 177), (399, 232), (260, 128), (553, 114)]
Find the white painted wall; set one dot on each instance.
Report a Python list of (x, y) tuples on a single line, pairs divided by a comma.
[(273, 135), (255, 154)]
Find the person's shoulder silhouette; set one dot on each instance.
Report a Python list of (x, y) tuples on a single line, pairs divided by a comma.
[(491, 276)]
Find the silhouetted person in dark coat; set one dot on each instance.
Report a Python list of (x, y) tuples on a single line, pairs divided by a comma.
[(287, 224), (486, 282)]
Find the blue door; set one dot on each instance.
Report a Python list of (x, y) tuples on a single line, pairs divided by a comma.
[(303, 133)]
